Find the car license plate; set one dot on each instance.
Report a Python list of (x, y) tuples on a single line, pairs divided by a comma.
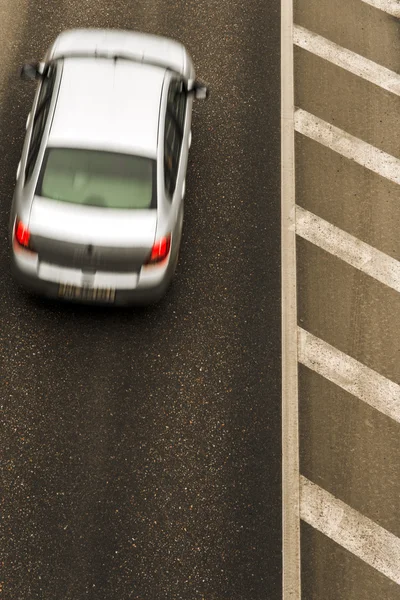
[(74, 292)]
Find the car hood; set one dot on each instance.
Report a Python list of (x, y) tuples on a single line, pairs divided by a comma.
[(142, 47)]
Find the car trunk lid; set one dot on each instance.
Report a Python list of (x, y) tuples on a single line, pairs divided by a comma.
[(91, 238)]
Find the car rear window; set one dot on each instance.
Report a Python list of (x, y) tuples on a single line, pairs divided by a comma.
[(97, 178)]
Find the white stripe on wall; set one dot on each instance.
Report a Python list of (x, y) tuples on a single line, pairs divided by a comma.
[(349, 374), (347, 145), (356, 64), (348, 248), (350, 529)]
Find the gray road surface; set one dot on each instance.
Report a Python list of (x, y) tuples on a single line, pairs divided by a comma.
[(141, 452)]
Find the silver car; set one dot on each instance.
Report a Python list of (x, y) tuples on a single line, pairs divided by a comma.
[(98, 206)]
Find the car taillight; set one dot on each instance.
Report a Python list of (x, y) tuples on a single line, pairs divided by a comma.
[(22, 234), (160, 250)]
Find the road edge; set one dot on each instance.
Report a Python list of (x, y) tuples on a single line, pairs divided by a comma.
[(291, 578)]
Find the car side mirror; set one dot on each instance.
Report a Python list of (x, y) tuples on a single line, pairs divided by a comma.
[(202, 92), (199, 89), (32, 71)]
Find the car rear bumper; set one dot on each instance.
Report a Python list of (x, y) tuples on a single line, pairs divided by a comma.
[(140, 296)]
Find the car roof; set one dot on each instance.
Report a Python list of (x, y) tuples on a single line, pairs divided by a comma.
[(107, 104)]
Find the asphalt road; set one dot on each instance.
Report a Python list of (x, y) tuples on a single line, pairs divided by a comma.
[(141, 450)]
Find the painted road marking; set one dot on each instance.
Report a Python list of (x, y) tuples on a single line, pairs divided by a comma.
[(349, 374), (392, 7), (370, 542), (347, 145), (346, 59), (353, 251), (290, 410), (345, 526)]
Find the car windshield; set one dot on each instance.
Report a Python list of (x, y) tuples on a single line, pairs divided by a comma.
[(97, 178)]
